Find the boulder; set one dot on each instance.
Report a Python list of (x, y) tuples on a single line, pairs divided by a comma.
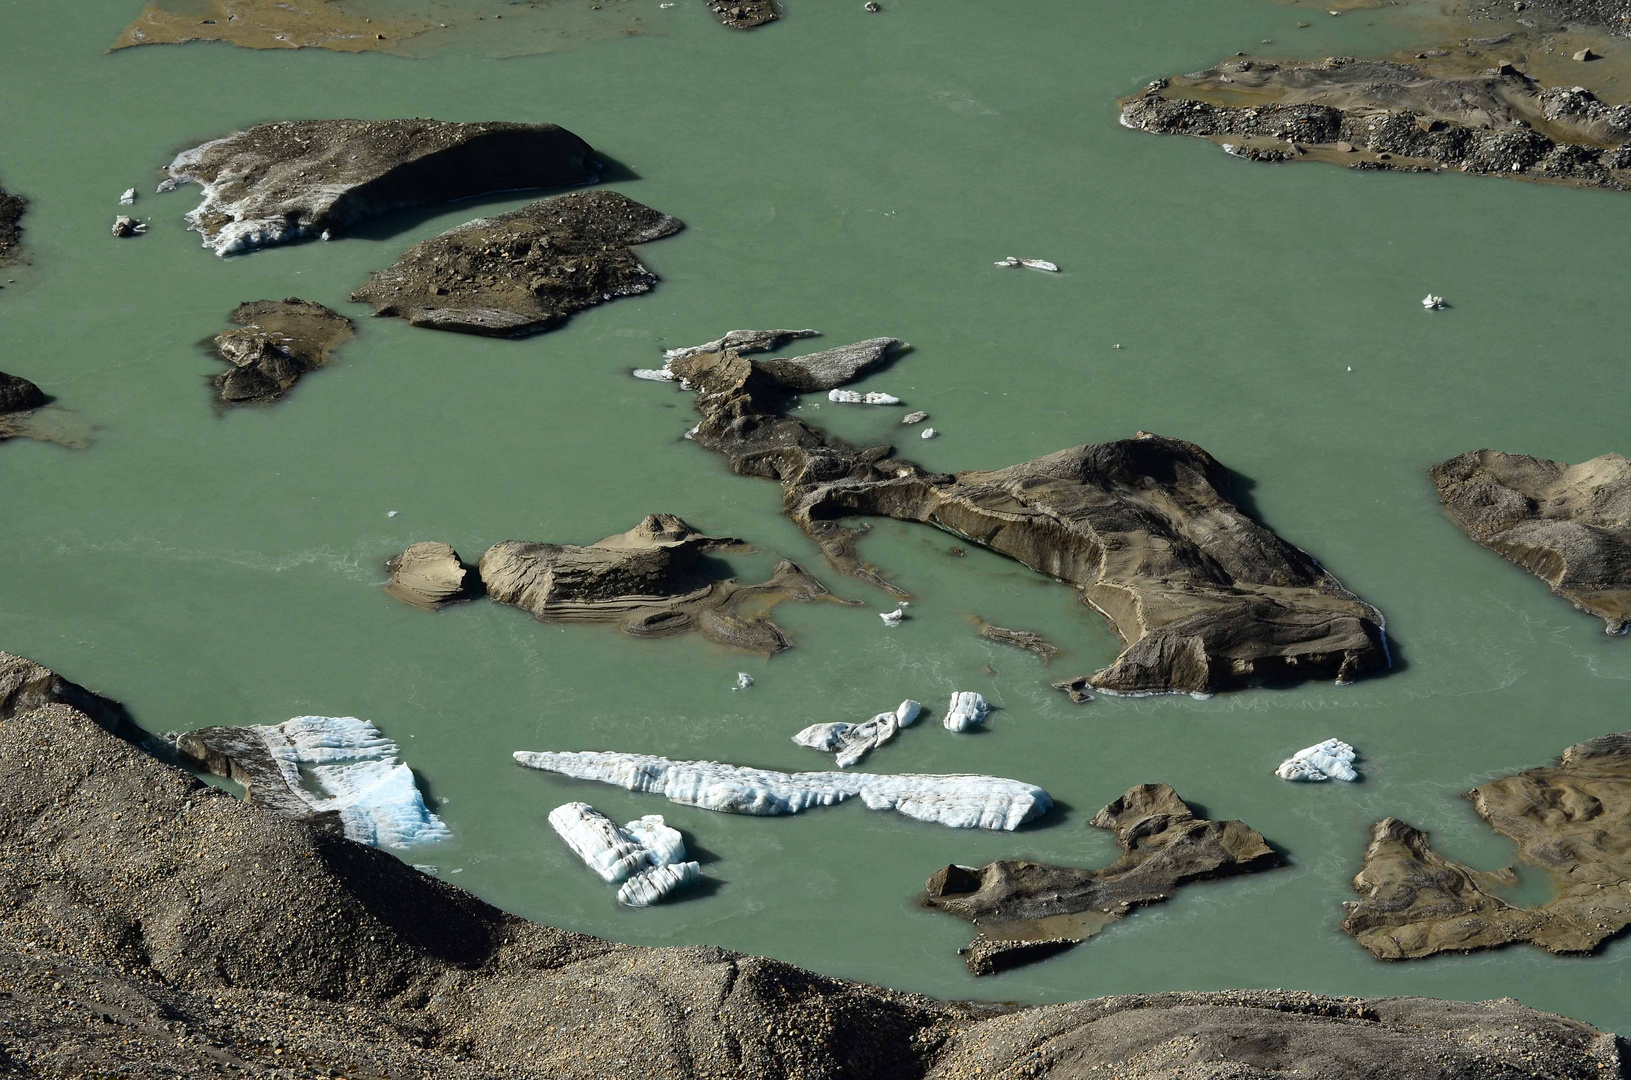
[(275, 343)]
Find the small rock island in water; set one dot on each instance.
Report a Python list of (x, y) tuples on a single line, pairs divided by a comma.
[(1026, 911), (1569, 525), (276, 342), (1205, 598), (1571, 820)]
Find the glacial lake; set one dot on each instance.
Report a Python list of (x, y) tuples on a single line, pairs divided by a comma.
[(858, 174)]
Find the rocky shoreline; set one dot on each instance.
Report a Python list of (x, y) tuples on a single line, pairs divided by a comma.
[(152, 926)]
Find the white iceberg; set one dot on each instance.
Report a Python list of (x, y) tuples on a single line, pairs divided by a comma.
[(1432, 303), (743, 681), (1329, 760), (851, 742), (851, 397), (646, 855), (958, 801), (661, 374), (892, 618), (1034, 264), (929, 433), (967, 709), (128, 198)]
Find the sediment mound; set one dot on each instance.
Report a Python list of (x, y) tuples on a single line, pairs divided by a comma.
[(277, 341)]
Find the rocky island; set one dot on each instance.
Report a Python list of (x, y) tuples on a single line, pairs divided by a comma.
[(1205, 598), (1569, 525), (525, 271), (1026, 910), (284, 181), (1571, 820), (276, 342), (11, 231), (157, 927), (742, 14)]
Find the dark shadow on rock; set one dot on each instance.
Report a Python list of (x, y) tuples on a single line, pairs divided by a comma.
[(390, 224)]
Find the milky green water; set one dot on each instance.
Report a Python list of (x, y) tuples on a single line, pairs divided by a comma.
[(858, 174)]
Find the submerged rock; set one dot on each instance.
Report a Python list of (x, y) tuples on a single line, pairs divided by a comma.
[(742, 14), (26, 413), (322, 766), (1026, 910), (1205, 597), (1329, 760), (1569, 525), (630, 855), (125, 880), (852, 742), (11, 232), (428, 575), (1449, 112), (961, 801), (525, 271), (276, 343), (278, 182), (650, 581), (1571, 820)]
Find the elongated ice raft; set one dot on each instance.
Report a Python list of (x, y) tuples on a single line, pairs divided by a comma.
[(959, 801)]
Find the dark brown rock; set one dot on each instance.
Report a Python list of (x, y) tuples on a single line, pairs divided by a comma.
[(650, 581), (428, 575), (156, 927), (525, 271), (277, 342), (1025, 910), (274, 183), (1205, 597), (1028, 640), (11, 232), (742, 14), (1571, 819), (17, 394), (1569, 525)]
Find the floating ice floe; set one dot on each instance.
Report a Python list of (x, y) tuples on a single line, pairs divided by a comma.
[(1034, 264), (646, 854), (743, 681), (958, 801), (851, 742), (128, 198), (1432, 303), (851, 397), (1330, 760), (928, 433), (892, 618), (967, 709)]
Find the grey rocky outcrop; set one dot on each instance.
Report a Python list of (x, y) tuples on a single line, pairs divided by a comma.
[(273, 183), (1569, 525), (1026, 910), (831, 368), (1205, 597), (525, 271), (156, 927), (428, 575), (275, 343)]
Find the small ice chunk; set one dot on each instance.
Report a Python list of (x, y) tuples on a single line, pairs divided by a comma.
[(663, 842), (1432, 303), (390, 513), (851, 397), (928, 433), (907, 712), (851, 742), (967, 709), (958, 801), (1040, 264), (1329, 760), (128, 198), (650, 886), (660, 374), (607, 850), (743, 681), (892, 618), (1012, 260), (914, 418)]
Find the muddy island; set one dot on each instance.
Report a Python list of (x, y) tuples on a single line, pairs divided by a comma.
[(1206, 598), (1026, 911), (742, 14), (1569, 525), (1571, 819), (279, 182), (276, 342), (1466, 110), (158, 927), (429, 575), (525, 271)]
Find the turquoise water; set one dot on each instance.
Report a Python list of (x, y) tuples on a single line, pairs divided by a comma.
[(858, 174)]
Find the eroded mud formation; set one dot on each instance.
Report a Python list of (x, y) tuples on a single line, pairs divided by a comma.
[(742, 14), (274, 183), (525, 271), (1029, 640), (11, 231), (1205, 598), (428, 575), (1571, 819), (276, 342), (650, 581), (268, 24), (156, 927), (1569, 525), (1466, 110), (1025, 910)]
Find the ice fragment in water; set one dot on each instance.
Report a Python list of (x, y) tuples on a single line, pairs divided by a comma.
[(892, 618), (851, 397), (958, 801), (1329, 760), (850, 742), (128, 198), (929, 433), (650, 886), (1432, 303), (743, 681), (1034, 264), (967, 709), (638, 854)]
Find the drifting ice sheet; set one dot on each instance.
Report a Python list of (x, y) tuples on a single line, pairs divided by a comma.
[(1330, 760), (966, 710), (851, 742), (645, 854), (959, 801)]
